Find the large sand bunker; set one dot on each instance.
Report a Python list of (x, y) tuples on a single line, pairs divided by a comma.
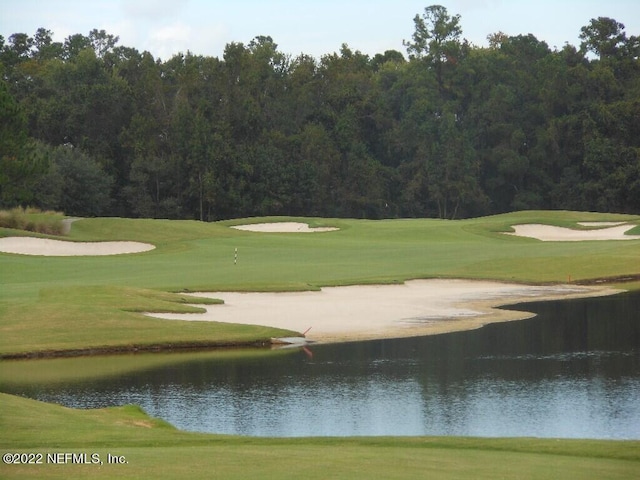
[(60, 248), (418, 307), (283, 227), (550, 233)]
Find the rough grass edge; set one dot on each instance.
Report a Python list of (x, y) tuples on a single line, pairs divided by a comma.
[(33, 220)]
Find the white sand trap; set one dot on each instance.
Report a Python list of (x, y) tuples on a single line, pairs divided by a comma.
[(60, 248), (550, 233), (283, 227), (418, 307)]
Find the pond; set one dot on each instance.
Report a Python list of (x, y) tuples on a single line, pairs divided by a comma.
[(573, 371)]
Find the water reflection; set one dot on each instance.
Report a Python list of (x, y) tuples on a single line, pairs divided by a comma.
[(573, 371)]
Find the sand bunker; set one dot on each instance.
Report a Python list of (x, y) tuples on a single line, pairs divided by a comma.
[(418, 307), (59, 248), (283, 227), (550, 233)]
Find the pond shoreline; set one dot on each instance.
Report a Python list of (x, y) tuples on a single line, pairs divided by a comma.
[(487, 311), (138, 348)]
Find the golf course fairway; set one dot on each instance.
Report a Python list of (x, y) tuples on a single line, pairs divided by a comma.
[(52, 305)]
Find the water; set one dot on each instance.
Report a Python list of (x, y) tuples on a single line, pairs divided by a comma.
[(573, 371)]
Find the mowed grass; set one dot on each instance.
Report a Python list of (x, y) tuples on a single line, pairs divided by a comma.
[(58, 303), (153, 449), (49, 303)]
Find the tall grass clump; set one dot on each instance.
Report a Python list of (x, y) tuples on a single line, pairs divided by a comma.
[(33, 220)]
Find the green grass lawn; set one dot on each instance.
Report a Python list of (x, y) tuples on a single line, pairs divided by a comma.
[(67, 303), (153, 449), (57, 303)]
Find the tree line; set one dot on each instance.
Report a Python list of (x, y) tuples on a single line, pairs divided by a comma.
[(450, 130)]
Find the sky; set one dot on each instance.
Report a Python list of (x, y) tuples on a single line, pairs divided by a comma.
[(205, 27)]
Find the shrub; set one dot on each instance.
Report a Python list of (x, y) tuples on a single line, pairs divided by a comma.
[(33, 220)]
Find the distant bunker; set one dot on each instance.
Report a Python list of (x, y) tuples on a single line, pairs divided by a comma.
[(283, 227), (60, 248), (551, 233)]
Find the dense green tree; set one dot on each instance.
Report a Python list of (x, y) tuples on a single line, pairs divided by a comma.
[(453, 130), (603, 36), (436, 40), (20, 163), (74, 44), (75, 183), (149, 192), (45, 47), (102, 42)]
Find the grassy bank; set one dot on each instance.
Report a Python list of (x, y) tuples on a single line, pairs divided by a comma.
[(107, 319), (67, 303), (153, 449)]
